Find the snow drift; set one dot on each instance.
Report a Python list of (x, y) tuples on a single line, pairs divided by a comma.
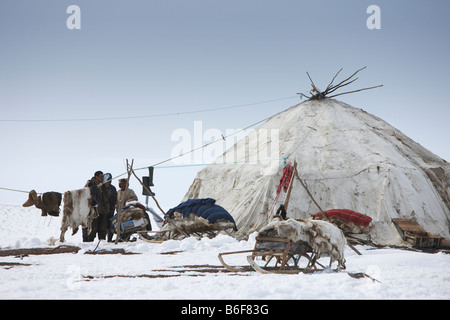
[(347, 157), (190, 269)]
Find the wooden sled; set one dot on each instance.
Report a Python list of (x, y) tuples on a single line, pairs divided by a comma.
[(413, 233), (276, 255), (180, 228), (287, 260)]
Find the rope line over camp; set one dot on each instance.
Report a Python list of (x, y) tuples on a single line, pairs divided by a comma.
[(156, 115)]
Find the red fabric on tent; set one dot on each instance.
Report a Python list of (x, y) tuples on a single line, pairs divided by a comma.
[(285, 178), (346, 214)]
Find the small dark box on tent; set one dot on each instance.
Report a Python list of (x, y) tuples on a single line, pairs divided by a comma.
[(147, 183), (146, 187)]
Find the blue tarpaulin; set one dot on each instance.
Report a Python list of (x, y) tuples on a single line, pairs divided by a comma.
[(205, 208)]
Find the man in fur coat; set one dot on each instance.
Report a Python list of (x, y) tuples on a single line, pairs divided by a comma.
[(101, 204), (112, 196), (124, 195)]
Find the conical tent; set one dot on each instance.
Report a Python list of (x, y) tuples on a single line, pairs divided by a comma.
[(346, 157)]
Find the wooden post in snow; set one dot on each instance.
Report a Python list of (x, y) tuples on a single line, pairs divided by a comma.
[(310, 195), (323, 213)]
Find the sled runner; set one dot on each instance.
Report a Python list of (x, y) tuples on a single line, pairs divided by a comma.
[(277, 255), (286, 242), (194, 217)]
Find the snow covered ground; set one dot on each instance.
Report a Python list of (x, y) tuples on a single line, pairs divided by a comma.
[(190, 269)]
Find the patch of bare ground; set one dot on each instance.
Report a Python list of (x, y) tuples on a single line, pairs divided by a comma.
[(9, 265), (177, 271), (38, 251), (56, 250)]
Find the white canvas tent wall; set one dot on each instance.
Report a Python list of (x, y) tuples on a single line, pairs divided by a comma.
[(347, 157)]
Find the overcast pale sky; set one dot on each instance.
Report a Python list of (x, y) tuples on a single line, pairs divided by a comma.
[(149, 60)]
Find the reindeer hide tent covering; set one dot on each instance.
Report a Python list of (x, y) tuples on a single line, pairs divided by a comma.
[(346, 157)]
